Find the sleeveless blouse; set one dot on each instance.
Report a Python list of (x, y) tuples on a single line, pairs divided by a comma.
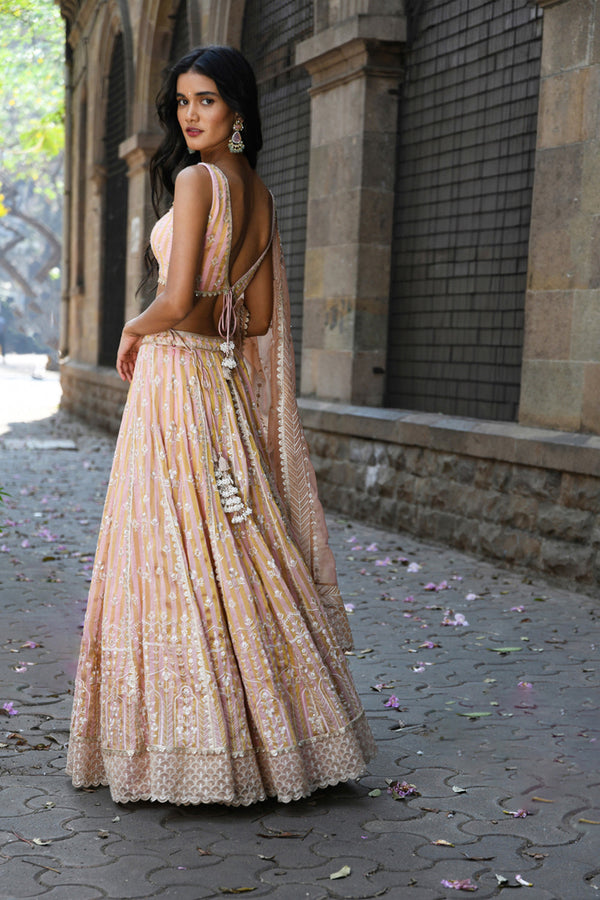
[(213, 279)]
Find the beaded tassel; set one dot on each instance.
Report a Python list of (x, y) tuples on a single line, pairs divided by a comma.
[(230, 495)]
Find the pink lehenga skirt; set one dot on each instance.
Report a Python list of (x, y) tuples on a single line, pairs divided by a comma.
[(208, 671)]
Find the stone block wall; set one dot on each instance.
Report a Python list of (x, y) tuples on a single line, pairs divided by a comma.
[(93, 393), (524, 496)]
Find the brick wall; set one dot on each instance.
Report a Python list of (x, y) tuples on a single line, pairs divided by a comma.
[(465, 165)]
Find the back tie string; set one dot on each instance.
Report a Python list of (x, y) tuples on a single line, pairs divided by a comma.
[(227, 328)]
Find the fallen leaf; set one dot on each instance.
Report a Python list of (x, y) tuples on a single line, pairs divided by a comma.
[(376, 792), (341, 873), (41, 843), (522, 881), (590, 821), (442, 843), (205, 852), (501, 879), (284, 834), (238, 890), (459, 790), (505, 649), (103, 834), (542, 800), (474, 715)]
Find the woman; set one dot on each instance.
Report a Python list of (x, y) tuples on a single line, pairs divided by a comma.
[(212, 666)]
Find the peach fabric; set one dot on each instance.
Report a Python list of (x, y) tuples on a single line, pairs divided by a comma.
[(211, 669)]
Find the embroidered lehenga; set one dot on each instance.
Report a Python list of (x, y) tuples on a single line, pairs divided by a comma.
[(212, 667)]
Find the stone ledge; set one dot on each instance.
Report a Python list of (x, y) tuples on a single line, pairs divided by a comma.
[(361, 27), (501, 441), (96, 375)]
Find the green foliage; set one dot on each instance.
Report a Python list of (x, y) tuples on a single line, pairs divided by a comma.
[(31, 96)]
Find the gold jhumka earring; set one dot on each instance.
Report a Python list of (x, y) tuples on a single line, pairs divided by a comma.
[(236, 144)]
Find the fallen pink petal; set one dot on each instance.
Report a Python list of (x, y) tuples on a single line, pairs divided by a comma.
[(383, 562), (450, 618), (349, 607), (10, 709), (392, 702), (372, 548), (29, 645), (413, 567), (471, 597), (517, 609), (431, 586), (442, 586), (381, 686), (526, 685), (402, 789), (463, 884)]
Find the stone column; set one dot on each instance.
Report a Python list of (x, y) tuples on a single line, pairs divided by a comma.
[(561, 356), (356, 70), (137, 150)]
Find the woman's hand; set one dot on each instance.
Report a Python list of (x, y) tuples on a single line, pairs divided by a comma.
[(127, 353)]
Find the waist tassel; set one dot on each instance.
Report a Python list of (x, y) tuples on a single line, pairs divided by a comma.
[(227, 328)]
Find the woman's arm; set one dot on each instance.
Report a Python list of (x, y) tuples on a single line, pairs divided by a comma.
[(192, 202)]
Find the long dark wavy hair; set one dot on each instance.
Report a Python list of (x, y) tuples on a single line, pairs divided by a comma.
[(235, 81)]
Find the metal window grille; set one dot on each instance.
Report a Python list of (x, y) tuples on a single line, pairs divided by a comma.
[(271, 30), (466, 143), (115, 211)]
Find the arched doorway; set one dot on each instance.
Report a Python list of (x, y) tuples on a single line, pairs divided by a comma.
[(114, 231)]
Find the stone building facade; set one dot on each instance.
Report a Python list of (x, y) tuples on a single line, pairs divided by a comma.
[(437, 175)]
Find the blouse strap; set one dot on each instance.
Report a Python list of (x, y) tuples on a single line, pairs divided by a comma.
[(245, 280)]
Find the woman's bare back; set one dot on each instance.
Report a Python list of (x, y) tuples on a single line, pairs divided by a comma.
[(251, 217)]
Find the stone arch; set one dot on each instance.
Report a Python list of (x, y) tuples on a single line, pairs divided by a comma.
[(155, 43)]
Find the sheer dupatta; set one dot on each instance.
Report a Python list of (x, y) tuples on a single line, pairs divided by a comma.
[(271, 358)]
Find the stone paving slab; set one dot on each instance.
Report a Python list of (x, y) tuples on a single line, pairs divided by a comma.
[(516, 729)]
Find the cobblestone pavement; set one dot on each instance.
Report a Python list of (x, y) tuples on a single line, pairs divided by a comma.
[(495, 724)]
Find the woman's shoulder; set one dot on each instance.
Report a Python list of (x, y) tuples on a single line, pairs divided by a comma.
[(194, 177)]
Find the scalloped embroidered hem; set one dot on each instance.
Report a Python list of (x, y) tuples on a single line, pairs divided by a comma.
[(186, 778)]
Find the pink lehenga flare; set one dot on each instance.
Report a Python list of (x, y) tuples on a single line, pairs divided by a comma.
[(210, 669)]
